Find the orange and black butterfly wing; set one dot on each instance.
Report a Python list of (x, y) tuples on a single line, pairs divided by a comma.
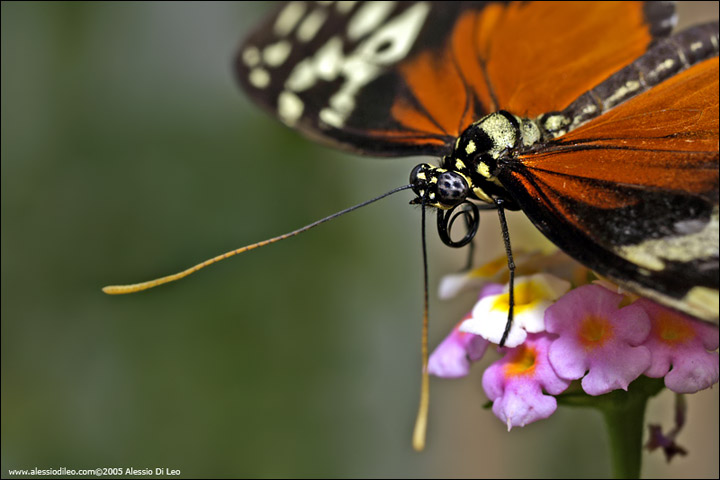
[(401, 78), (633, 193), (404, 78)]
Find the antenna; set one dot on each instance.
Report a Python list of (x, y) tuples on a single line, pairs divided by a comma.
[(138, 287)]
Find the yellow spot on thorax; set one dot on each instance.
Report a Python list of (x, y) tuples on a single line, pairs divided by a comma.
[(483, 169), (470, 147)]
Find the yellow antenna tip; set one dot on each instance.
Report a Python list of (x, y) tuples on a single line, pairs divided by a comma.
[(123, 289), (419, 435), (420, 431)]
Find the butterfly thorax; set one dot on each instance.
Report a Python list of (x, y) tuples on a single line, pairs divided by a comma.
[(480, 153)]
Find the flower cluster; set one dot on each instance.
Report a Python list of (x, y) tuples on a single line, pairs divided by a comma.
[(591, 333)]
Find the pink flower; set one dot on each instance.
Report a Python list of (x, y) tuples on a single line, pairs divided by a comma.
[(517, 382), (682, 343), (452, 358), (598, 337)]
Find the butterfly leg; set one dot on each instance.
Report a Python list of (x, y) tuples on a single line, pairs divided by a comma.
[(511, 266)]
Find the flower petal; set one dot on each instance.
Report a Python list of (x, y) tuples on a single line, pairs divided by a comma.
[(679, 345), (452, 358), (523, 403), (597, 337), (517, 383)]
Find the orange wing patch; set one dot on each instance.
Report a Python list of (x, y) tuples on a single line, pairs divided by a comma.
[(444, 85), (637, 144), (541, 56), (440, 90), (504, 57)]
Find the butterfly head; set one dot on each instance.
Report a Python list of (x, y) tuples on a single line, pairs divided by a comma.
[(480, 152), (439, 187)]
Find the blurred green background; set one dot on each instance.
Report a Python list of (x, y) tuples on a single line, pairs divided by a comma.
[(128, 152)]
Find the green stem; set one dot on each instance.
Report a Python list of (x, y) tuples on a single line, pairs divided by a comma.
[(624, 413), (625, 429)]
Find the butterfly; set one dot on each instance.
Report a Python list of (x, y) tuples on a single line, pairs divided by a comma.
[(587, 116), (590, 117)]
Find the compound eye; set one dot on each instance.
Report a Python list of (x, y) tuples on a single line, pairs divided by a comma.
[(419, 178), (414, 179), (452, 189)]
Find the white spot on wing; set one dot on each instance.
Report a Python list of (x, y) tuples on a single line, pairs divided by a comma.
[(251, 56), (326, 65), (259, 77), (345, 6), (396, 36), (365, 64), (343, 104), (386, 44), (276, 54), (328, 59), (302, 77), (331, 117), (368, 17), (696, 244), (310, 26), (705, 301), (290, 107), (288, 18)]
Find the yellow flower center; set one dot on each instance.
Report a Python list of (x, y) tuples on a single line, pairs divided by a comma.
[(526, 296), (595, 331), (522, 361), (672, 329), (490, 268)]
